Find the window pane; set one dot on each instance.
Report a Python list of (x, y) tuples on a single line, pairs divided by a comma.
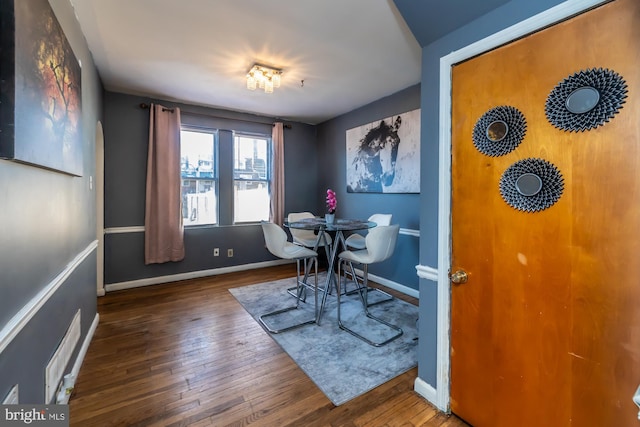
[(251, 176), (199, 178), (199, 202), (251, 201), (250, 157)]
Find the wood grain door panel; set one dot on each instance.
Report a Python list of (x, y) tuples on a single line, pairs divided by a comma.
[(547, 330)]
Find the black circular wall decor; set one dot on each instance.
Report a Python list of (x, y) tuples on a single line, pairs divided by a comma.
[(499, 131), (586, 100), (531, 185)]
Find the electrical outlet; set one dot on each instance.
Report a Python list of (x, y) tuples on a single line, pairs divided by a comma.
[(216, 251), (229, 253)]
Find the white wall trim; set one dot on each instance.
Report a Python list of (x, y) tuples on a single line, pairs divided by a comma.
[(80, 358), (395, 286), (22, 317), (140, 229), (121, 230), (390, 284), (426, 272), (425, 389), (409, 232), (85, 346), (190, 275), (544, 19), (213, 272)]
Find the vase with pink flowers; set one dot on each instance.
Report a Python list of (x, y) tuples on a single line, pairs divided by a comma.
[(331, 206)]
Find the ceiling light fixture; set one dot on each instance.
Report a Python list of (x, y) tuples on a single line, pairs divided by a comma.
[(263, 77)]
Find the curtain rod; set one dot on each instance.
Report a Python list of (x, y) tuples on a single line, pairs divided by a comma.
[(147, 106)]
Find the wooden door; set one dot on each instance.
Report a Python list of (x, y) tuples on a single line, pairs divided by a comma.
[(546, 332)]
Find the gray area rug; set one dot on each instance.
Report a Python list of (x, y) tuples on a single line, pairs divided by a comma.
[(341, 365)]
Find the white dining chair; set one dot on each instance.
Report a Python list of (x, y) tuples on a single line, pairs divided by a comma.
[(306, 238), (380, 244), (357, 241), (276, 241)]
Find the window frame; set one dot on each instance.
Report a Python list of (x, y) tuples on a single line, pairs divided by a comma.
[(267, 180), (215, 175)]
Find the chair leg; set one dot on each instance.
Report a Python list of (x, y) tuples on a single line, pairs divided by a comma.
[(293, 290), (300, 289), (363, 295), (354, 276), (351, 271)]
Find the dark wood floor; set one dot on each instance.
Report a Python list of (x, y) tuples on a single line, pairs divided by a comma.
[(188, 354)]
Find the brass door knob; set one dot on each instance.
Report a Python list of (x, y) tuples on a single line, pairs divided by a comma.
[(459, 277)]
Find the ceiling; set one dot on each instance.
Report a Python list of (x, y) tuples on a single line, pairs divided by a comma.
[(336, 55)]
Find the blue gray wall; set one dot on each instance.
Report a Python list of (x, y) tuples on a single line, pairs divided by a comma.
[(315, 152), (47, 219), (126, 133), (490, 23), (401, 268)]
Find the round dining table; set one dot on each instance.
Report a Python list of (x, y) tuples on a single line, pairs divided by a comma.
[(337, 228)]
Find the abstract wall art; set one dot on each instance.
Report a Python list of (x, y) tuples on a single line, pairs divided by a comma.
[(384, 156), (40, 109), (531, 185), (585, 100), (499, 131)]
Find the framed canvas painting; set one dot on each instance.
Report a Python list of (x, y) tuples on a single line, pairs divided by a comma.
[(40, 110), (384, 156)]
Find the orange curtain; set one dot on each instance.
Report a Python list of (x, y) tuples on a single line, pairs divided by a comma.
[(164, 232), (277, 183)]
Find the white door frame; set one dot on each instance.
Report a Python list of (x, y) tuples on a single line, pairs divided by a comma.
[(549, 17)]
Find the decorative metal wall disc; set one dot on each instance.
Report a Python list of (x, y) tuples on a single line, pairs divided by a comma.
[(586, 100), (531, 185), (499, 131)]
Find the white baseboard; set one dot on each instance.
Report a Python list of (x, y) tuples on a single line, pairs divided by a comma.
[(213, 272), (393, 285), (190, 275), (81, 354), (85, 346), (427, 391)]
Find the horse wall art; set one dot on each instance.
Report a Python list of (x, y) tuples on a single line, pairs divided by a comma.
[(384, 156)]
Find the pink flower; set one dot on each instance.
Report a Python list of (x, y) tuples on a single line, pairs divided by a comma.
[(331, 201)]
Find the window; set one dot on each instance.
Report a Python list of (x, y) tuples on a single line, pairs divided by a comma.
[(246, 191), (251, 178), (199, 177)]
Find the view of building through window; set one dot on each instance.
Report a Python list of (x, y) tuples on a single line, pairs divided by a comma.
[(251, 178), (199, 178)]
